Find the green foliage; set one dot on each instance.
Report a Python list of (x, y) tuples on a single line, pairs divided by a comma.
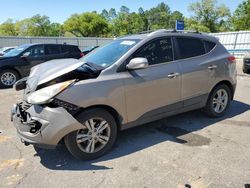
[(159, 16), (241, 16), (35, 26), (88, 24), (8, 28), (209, 14), (194, 25)]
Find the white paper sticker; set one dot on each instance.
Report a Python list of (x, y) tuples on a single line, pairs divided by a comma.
[(127, 42)]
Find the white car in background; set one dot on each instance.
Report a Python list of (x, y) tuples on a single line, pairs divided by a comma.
[(4, 50)]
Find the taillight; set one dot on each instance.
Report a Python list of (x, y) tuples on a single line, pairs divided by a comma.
[(81, 54), (231, 59)]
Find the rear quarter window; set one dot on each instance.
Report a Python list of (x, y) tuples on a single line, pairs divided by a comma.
[(209, 46), (190, 47)]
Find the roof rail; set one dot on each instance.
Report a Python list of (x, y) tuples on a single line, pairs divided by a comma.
[(151, 32)]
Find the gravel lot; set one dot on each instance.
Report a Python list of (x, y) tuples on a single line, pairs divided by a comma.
[(188, 150)]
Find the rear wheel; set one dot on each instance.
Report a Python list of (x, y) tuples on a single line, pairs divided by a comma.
[(218, 101), (8, 78), (97, 136)]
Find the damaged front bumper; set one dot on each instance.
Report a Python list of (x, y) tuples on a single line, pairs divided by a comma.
[(42, 126)]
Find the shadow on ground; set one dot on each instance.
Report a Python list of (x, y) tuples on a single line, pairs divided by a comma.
[(177, 129)]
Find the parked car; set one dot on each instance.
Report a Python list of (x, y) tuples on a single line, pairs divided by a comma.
[(246, 63), (4, 50), (89, 49), (17, 63), (130, 81)]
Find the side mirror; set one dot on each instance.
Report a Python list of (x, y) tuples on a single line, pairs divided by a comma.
[(137, 63), (25, 55)]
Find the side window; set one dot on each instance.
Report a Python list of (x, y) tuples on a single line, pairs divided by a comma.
[(35, 51), (70, 49), (52, 49), (209, 46), (158, 51), (190, 47)]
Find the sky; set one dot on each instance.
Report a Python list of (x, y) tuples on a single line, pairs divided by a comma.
[(60, 10)]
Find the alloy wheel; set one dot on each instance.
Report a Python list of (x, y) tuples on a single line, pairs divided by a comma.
[(94, 136), (8, 78), (220, 101)]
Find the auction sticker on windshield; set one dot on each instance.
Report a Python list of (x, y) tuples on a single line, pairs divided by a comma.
[(127, 42)]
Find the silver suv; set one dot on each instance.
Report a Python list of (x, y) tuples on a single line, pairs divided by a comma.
[(131, 81)]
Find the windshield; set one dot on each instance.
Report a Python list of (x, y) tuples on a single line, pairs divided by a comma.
[(109, 54), (16, 51)]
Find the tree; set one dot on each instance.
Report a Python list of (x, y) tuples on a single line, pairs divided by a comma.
[(124, 10), (8, 28), (241, 16), (112, 13), (209, 14), (35, 26), (191, 24), (87, 24), (159, 16), (55, 29), (105, 14)]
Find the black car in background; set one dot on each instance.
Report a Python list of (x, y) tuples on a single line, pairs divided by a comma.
[(88, 50), (246, 63), (17, 63)]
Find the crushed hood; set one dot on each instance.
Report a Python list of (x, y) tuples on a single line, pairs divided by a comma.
[(50, 70)]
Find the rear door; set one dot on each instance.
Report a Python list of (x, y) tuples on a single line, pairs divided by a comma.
[(53, 51), (154, 90), (195, 69)]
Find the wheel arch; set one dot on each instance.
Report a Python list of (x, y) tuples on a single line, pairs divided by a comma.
[(118, 118), (227, 83)]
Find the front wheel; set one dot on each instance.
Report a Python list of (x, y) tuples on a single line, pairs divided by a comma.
[(8, 78), (97, 136), (218, 101)]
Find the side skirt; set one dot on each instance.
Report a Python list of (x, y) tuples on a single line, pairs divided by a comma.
[(169, 110)]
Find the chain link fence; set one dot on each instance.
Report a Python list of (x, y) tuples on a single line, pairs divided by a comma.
[(238, 43)]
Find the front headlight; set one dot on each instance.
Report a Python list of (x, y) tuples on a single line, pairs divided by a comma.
[(46, 94)]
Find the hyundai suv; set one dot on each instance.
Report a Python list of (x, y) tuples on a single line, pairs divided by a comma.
[(131, 81), (17, 63)]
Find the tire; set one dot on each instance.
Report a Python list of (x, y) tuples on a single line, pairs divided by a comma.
[(211, 105), (12, 75), (246, 71), (99, 117)]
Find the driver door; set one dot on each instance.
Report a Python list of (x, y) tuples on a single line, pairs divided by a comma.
[(154, 91)]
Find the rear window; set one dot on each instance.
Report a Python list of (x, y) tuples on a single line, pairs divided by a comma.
[(70, 49), (190, 47), (52, 49), (209, 46)]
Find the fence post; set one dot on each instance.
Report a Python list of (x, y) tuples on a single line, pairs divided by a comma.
[(236, 39), (78, 42)]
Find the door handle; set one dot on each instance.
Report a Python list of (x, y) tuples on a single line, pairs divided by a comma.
[(212, 67), (173, 75)]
